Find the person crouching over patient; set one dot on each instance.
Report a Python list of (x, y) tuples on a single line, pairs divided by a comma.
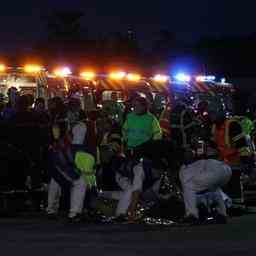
[(203, 177)]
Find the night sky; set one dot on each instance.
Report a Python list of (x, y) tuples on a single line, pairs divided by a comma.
[(21, 23)]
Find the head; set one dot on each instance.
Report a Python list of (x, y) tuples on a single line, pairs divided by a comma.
[(140, 105), (13, 95), (248, 114), (114, 96), (55, 105), (203, 106), (217, 117), (23, 103), (40, 104), (78, 133), (74, 105)]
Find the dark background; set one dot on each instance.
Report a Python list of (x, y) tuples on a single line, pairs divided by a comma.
[(202, 36)]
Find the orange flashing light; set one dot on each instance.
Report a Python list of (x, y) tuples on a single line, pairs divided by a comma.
[(2, 68), (32, 68), (117, 75), (133, 77), (161, 78), (88, 75)]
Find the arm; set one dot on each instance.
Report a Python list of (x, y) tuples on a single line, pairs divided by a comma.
[(156, 130), (125, 133), (133, 206), (238, 139)]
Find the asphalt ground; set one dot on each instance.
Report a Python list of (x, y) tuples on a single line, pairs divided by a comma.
[(39, 236)]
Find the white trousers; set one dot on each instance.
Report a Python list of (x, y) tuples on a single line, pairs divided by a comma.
[(124, 197), (204, 175), (128, 187), (77, 195)]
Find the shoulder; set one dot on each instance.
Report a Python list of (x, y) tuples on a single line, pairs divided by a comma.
[(151, 116), (131, 116)]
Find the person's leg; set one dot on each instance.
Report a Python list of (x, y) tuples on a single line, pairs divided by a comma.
[(124, 196), (124, 202), (214, 175), (190, 201), (218, 199), (187, 176), (78, 191), (116, 195), (54, 194)]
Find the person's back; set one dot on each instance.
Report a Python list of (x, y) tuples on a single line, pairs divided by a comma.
[(140, 126), (139, 129)]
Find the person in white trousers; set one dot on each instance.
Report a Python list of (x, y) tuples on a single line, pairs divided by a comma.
[(131, 191), (204, 176), (78, 187)]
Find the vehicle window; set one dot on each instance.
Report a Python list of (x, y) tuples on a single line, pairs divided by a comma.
[(112, 95)]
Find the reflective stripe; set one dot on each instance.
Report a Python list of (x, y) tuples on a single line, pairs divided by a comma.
[(98, 156), (64, 174), (227, 135), (245, 151), (193, 123), (238, 137)]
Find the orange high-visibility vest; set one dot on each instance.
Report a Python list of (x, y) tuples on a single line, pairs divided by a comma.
[(228, 153)]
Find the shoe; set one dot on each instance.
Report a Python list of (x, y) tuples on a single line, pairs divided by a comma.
[(121, 219), (52, 216), (203, 213), (191, 220), (76, 219), (220, 219)]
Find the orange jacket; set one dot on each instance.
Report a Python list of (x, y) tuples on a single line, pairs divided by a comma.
[(228, 153)]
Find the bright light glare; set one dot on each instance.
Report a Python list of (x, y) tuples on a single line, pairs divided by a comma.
[(200, 78), (32, 68), (205, 78), (2, 68), (63, 72), (223, 80), (161, 78), (183, 77), (117, 75), (133, 77), (88, 75)]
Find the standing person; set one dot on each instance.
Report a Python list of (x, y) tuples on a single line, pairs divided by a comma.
[(41, 115), (74, 110), (66, 175), (10, 108), (165, 122), (230, 139), (248, 128), (140, 128), (42, 122), (184, 125)]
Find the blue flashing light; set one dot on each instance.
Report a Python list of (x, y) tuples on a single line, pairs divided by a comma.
[(223, 80), (182, 77)]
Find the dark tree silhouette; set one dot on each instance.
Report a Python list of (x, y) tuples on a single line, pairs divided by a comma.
[(65, 25)]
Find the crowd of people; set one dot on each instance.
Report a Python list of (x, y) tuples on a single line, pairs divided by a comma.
[(86, 155)]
